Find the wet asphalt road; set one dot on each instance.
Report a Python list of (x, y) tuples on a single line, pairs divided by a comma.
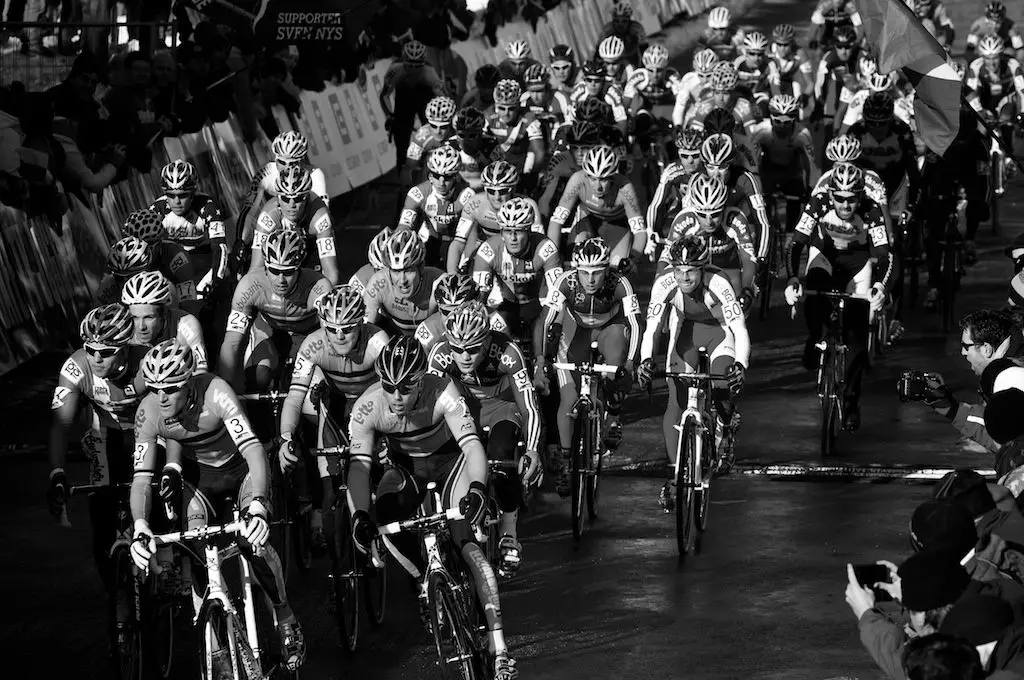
[(763, 600)]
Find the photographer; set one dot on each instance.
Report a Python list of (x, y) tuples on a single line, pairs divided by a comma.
[(986, 338)]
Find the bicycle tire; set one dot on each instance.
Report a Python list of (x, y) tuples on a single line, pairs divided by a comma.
[(281, 534), (345, 579), (375, 589), (686, 527), (303, 543), (127, 643), (233, 652), (993, 202), (594, 482), (450, 629), (830, 411), (702, 501), (491, 550), (577, 470), (164, 614)]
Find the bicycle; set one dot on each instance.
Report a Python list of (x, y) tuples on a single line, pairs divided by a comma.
[(456, 620), (489, 534), (997, 172), (218, 619), (697, 455), (656, 154), (951, 268), (588, 418), (775, 263)]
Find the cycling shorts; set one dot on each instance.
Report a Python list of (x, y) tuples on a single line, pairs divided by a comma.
[(109, 451), (206, 488), (574, 345)]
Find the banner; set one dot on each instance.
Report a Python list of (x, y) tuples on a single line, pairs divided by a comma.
[(360, 168)]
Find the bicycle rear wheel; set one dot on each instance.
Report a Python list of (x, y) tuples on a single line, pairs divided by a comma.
[(594, 478), (581, 446), (831, 414), (375, 589), (345, 579), (686, 501), (126, 639), (451, 630), (164, 623), (704, 469)]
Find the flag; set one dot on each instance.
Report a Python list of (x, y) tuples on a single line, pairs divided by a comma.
[(902, 42)]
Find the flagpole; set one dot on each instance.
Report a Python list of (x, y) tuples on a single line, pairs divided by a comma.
[(992, 132)]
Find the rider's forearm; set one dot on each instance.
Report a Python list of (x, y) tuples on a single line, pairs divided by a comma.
[(649, 340), (259, 469), (742, 343), (359, 484), (476, 460), (227, 365), (330, 269), (455, 251), (141, 496), (58, 448)]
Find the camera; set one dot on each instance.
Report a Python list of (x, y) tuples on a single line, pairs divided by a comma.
[(870, 574), (914, 385)]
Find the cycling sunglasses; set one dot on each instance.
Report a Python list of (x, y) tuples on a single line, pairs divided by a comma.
[(782, 120), (406, 388), (595, 81), (505, 109), (471, 350), (342, 330), (444, 178), (179, 194), (499, 192), (169, 390), (281, 271), (705, 217), (291, 200), (101, 351), (689, 155), (284, 165), (848, 199), (439, 127)]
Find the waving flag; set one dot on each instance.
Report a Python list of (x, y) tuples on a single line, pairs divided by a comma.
[(902, 42)]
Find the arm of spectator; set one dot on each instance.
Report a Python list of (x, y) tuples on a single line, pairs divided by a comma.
[(969, 420), (884, 641), (243, 95), (77, 173)]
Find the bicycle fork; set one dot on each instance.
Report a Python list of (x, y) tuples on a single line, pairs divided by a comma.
[(691, 416)]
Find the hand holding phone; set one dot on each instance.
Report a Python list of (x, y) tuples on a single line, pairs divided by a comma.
[(870, 574)]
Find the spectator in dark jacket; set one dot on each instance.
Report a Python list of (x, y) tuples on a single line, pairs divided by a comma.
[(991, 505), (987, 623), (941, 657)]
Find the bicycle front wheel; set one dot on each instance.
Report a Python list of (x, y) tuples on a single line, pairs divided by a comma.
[(581, 448), (375, 589), (594, 482), (686, 501), (345, 578), (126, 639), (831, 413), (281, 534), (450, 627), (704, 468), (950, 282), (224, 650)]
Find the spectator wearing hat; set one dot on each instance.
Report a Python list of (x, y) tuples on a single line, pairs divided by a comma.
[(1004, 424), (987, 623), (941, 657), (991, 505)]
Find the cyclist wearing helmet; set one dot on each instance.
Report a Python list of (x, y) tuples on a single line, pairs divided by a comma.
[(595, 84), (194, 221), (548, 105), (932, 14), (132, 255), (591, 302), (450, 293), (400, 295), (995, 22), (846, 149), (296, 209), (413, 82), (149, 297), (440, 114), (517, 268), (431, 437), (433, 207), (281, 299), (598, 112), (835, 80), (520, 135), (786, 152), (706, 214), (612, 51), (699, 304), (566, 159), (374, 260), (517, 61), (754, 70), (694, 86), (996, 84), (793, 73), (831, 16), (479, 219), (476, 146), (675, 179), (848, 250), (652, 95), (562, 65), (722, 121), (903, 106), (626, 29), (482, 96), (720, 35), (104, 374), (725, 95), (290, 149), (495, 377), (212, 452), (608, 207)]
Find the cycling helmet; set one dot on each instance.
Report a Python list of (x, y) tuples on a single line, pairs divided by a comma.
[(109, 325), (704, 62), (783, 105), (921, 7), (783, 34), (469, 120), (517, 213), (689, 139), (595, 69), (622, 9), (867, 65), (878, 82), (755, 41), (375, 253), (147, 288), (401, 361), (878, 107), (719, 18), (991, 46), (145, 225), (507, 93), (404, 250), (129, 256), (487, 76), (724, 77), (469, 325), (707, 195), (413, 52), (591, 109), (343, 306), (846, 177), (179, 175), (601, 162), (517, 50), (583, 133), (995, 11), (561, 53), (717, 150), (535, 76), (655, 57), (690, 251), (592, 254), (500, 175), (453, 290), (169, 364), (845, 36), (843, 149), (440, 110), (290, 147), (294, 182), (285, 248), (719, 120), (611, 48), (444, 160)]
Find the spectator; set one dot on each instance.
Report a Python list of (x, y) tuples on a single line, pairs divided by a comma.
[(78, 176), (134, 117), (991, 505), (1004, 424), (941, 657), (74, 97), (987, 623), (42, 160), (270, 91)]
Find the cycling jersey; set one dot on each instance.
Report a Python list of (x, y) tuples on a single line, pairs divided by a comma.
[(294, 313), (405, 313), (941, 23), (264, 187), (480, 216), (114, 399), (474, 160), (793, 73), (514, 70), (783, 154), (992, 87), (314, 221), (171, 260), (201, 228), (614, 302), (633, 37), (520, 143), (423, 141), (645, 90), (746, 194), (741, 107), (836, 81), (903, 108), (836, 12), (434, 214), (1004, 29), (756, 78), (731, 243), (474, 99), (873, 186), (725, 47), (692, 89), (413, 86), (362, 277), (892, 157), (613, 97), (551, 112), (668, 197), (520, 279), (184, 327), (431, 331), (618, 205)]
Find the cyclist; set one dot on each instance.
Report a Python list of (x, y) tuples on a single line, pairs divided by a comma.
[(694, 86), (193, 220), (651, 92), (451, 292), (836, 79), (281, 300), (591, 302), (675, 180), (562, 65), (517, 61), (434, 206), (786, 152), (830, 18), (724, 95), (520, 135), (479, 220), (169, 257), (105, 373), (720, 35), (755, 71), (413, 83), (400, 295), (149, 297), (607, 204), (431, 437), (853, 110), (995, 22), (934, 17), (482, 96), (630, 32), (496, 378), (793, 73), (726, 230), (375, 260), (596, 84), (612, 52), (846, 149), (212, 453), (848, 250), (593, 110), (132, 255), (549, 106), (996, 82), (702, 311), (439, 114), (476, 147), (289, 149), (721, 121), (296, 209)]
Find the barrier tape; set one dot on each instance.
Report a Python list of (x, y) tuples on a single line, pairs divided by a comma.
[(812, 471)]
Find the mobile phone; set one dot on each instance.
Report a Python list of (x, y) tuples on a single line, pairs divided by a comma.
[(870, 574)]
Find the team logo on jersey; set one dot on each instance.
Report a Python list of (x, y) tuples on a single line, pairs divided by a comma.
[(129, 390), (60, 394)]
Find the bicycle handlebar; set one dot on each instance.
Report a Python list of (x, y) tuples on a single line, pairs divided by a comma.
[(200, 534), (685, 375), (584, 367), (330, 451), (99, 488), (420, 523), (272, 395)]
